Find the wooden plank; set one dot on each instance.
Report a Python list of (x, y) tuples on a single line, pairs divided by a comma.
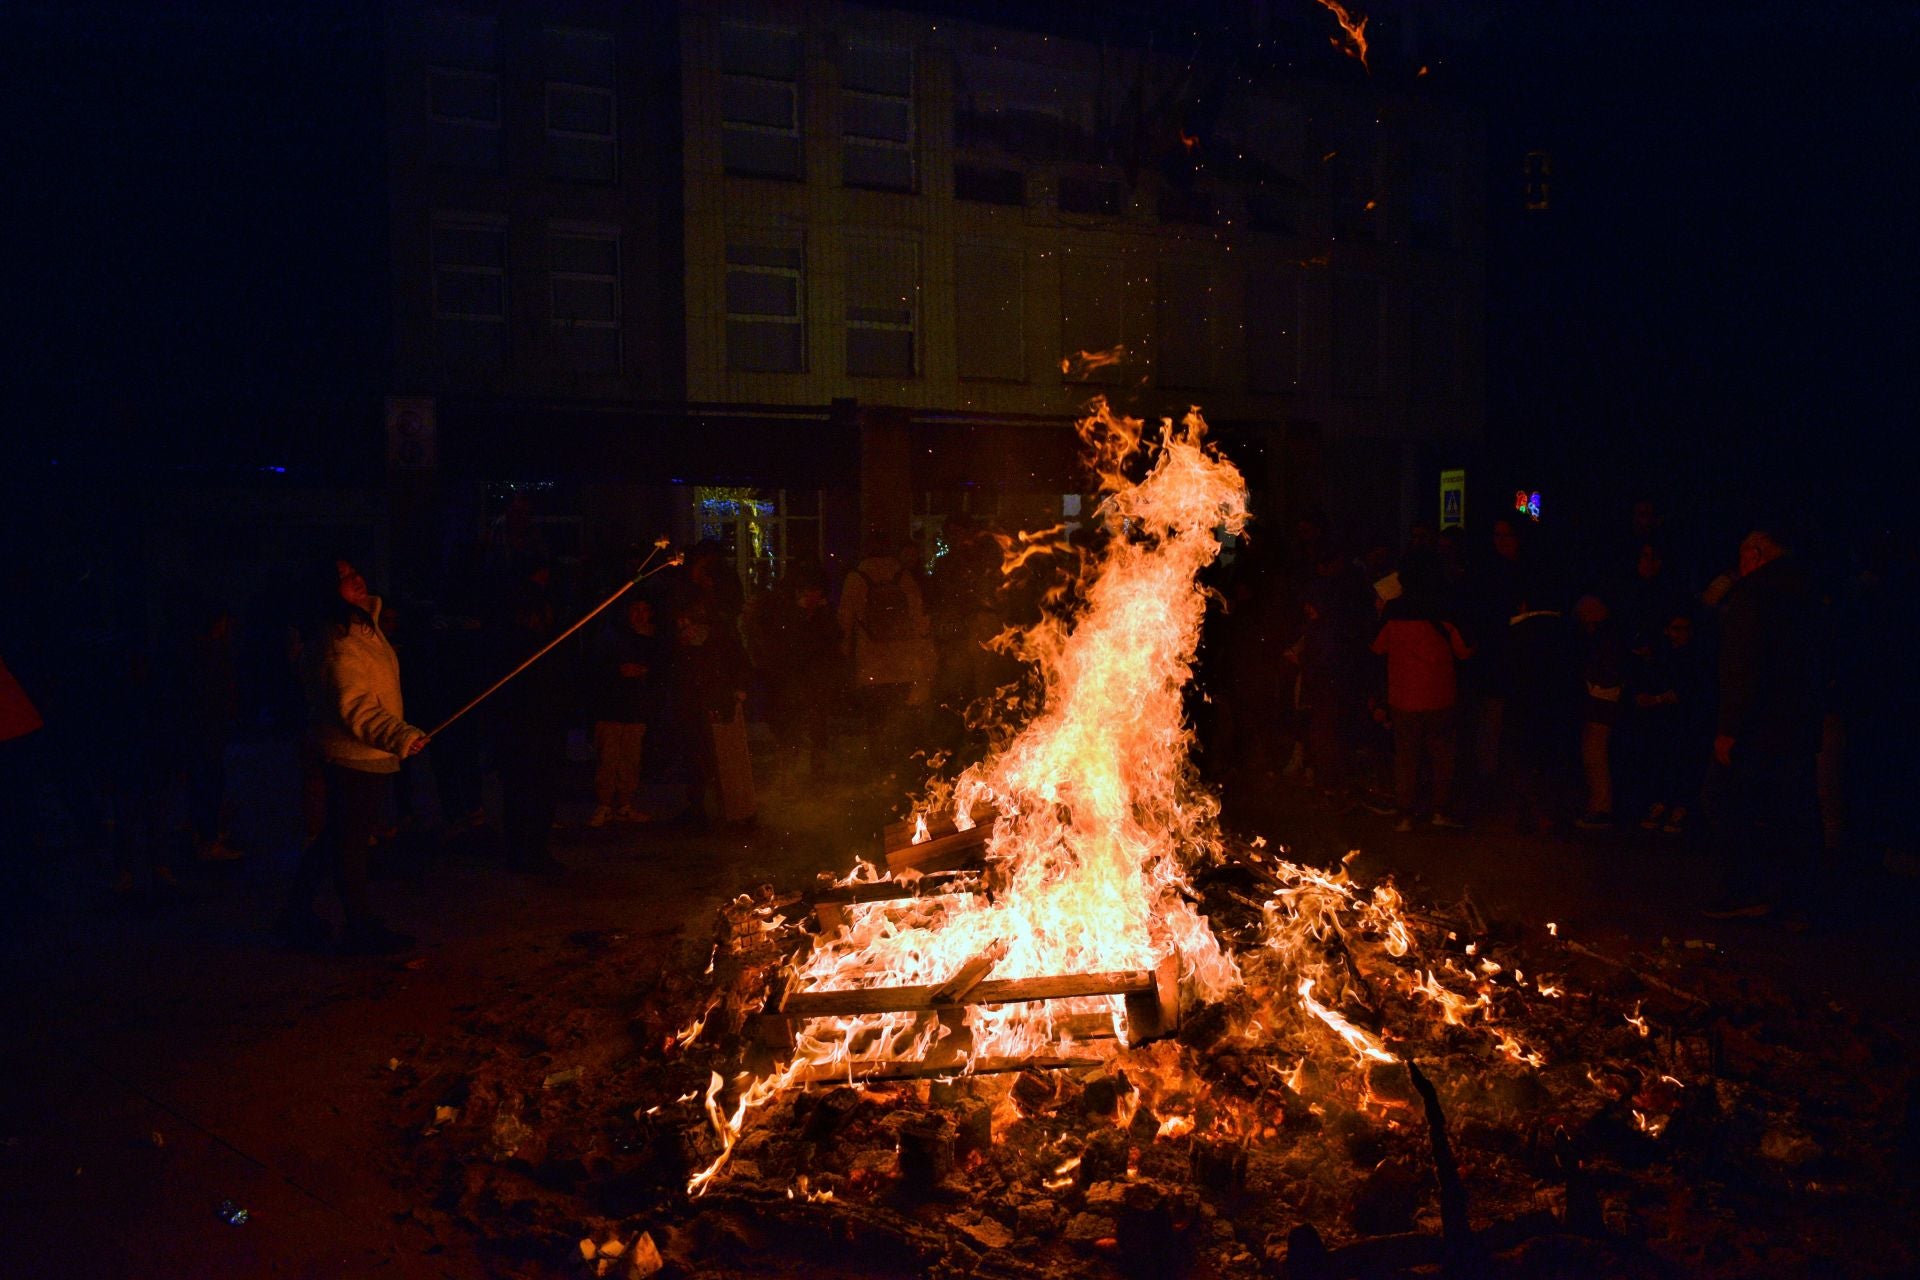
[(1155, 1014), (969, 976), (944, 854), (898, 835), (925, 886), (886, 1069), (840, 1004)]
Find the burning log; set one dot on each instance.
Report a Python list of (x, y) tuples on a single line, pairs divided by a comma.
[(946, 853), (1457, 1232)]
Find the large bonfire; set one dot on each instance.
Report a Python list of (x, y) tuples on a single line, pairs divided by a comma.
[(1098, 825)]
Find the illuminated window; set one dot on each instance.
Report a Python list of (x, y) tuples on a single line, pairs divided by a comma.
[(582, 134), (760, 101), (1539, 171), (763, 530)]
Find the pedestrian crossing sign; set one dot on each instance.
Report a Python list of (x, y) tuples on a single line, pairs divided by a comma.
[(1453, 499)]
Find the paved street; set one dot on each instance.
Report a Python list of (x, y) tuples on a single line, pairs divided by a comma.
[(164, 1059)]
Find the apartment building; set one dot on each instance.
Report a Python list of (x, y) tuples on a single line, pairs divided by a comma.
[(779, 271)]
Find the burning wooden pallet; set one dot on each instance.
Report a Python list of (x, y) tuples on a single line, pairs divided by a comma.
[(945, 847), (1151, 1003)]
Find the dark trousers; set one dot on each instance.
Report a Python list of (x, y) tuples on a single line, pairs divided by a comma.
[(206, 787), (1327, 746), (1765, 814), (355, 803), (1417, 734), (529, 799), (889, 722)]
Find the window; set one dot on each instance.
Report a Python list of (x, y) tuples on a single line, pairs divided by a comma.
[(1190, 207), (763, 532), (876, 117), (760, 101), (989, 312), (989, 184), (585, 279), (1355, 186), (1356, 336), (1089, 195), (470, 294), (883, 294), (1092, 315), (1539, 189), (582, 133), (463, 92), (1272, 331), (765, 295), (1183, 299), (1433, 344)]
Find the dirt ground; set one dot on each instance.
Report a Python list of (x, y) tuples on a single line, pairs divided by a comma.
[(166, 1067)]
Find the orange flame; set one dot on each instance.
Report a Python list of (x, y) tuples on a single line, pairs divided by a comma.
[(1083, 363), (1355, 30)]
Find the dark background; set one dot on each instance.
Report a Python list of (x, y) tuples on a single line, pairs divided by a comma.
[(1716, 309)]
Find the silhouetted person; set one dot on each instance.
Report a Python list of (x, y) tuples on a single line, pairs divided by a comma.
[(359, 732), (883, 624), (1421, 647), (1670, 725), (797, 652), (1603, 679), (1761, 790), (630, 681), (531, 740)]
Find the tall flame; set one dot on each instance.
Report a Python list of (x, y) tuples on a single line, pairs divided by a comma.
[(1094, 800)]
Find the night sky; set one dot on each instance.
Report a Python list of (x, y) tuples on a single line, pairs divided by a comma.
[(1720, 296)]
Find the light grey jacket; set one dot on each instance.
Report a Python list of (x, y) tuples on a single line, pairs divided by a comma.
[(359, 720)]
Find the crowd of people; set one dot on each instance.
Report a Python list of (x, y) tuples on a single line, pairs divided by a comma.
[(1464, 678), (1759, 704)]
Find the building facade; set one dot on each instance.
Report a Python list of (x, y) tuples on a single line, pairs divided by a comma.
[(775, 272)]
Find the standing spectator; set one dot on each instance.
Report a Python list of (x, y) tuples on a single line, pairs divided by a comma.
[(1329, 671), (883, 624), (209, 708), (1421, 647), (797, 651), (1669, 722), (1645, 600), (1602, 672), (711, 673), (1761, 788), (531, 743), (360, 734), (20, 722), (1537, 669), (1495, 588), (631, 666)]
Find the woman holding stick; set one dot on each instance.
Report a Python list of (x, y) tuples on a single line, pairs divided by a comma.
[(360, 734)]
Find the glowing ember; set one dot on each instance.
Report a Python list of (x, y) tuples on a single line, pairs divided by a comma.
[(1086, 362), (1354, 29)]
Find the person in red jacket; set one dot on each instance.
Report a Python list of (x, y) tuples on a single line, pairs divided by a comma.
[(1421, 647)]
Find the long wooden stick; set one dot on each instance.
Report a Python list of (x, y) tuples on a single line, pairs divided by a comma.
[(544, 649)]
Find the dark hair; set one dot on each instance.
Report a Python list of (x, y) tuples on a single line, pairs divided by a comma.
[(322, 606)]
